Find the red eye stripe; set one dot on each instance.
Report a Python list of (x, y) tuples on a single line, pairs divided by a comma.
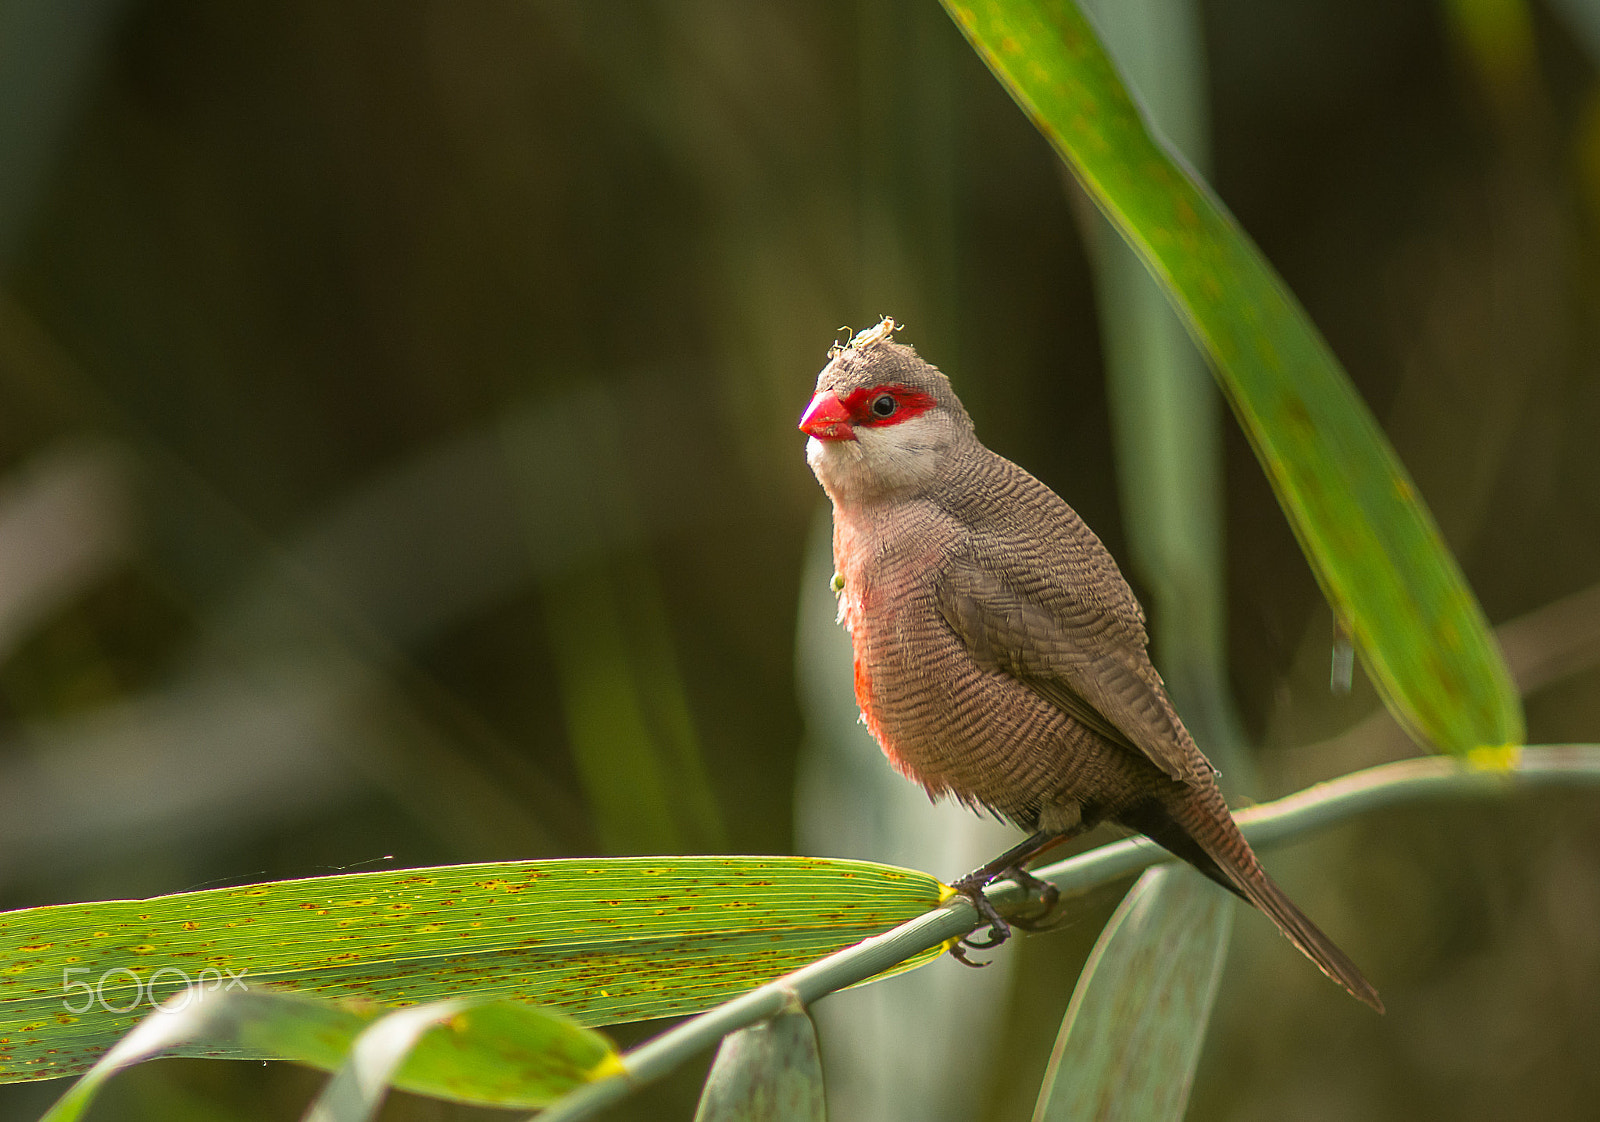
[(909, 403)]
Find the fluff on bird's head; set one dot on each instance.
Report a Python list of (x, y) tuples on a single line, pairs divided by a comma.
[(873, 358), (864, 338)]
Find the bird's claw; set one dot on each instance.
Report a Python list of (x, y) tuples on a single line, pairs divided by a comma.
[(999, 929), (959, 953)]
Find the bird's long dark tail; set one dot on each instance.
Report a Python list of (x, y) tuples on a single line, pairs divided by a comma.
[(1200, 829)]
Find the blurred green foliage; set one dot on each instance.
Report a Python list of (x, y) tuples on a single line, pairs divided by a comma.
[(352, 357)]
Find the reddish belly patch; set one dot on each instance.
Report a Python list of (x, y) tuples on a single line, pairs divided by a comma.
[(869, 715)]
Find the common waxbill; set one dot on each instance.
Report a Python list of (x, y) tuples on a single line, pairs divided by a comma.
[(999, 653)]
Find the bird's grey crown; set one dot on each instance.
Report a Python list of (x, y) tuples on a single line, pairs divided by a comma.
[(883, 362)]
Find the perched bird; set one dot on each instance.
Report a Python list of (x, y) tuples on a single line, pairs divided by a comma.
[(999, 653)]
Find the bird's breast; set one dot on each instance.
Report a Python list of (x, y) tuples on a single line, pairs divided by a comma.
[(887, 605)]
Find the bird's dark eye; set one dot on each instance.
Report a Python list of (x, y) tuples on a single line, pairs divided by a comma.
[(884, 405)]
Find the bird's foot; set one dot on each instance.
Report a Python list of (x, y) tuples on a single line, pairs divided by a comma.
[(1047, 893), (999, 930), (972, 886)]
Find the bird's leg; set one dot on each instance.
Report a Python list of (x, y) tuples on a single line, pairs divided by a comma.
[(1007, 865)]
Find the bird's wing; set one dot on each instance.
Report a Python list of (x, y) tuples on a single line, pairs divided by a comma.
[(1085, 658)]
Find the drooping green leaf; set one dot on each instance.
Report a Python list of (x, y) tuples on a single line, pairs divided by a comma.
[(1370, 541), (1131, 1038), (768, 1072), (499, 1053), (601, 940), (471, 1049), (358, 1088)]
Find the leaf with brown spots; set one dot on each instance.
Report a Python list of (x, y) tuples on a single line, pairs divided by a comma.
[(600, 940)]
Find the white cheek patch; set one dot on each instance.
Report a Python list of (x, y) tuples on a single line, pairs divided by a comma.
[(837, 464), (881, 460), (816, 451), (906, 454)]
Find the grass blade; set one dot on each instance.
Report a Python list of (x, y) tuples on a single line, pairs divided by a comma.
[(768, 1072), (1131, 1038)]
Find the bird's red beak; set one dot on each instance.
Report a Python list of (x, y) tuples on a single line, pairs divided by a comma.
[(826, 418)]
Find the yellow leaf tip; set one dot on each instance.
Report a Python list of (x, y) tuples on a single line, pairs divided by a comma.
[(1501, 759), (609, 1067)]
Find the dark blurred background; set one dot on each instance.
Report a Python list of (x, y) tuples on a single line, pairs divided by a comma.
[(398, 465)]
